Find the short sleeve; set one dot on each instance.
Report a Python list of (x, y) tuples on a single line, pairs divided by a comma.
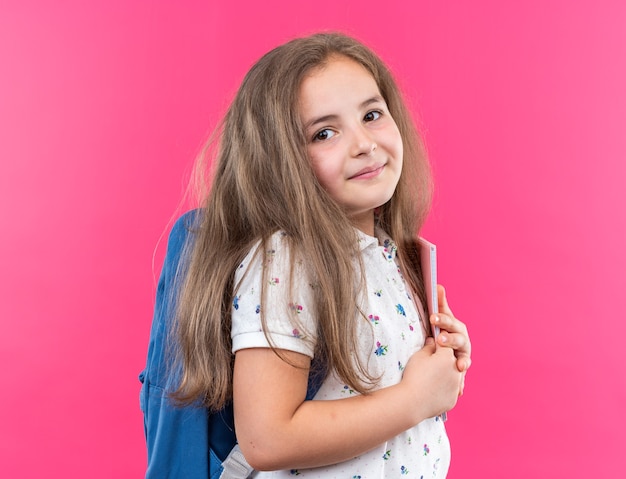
[(288, 307)]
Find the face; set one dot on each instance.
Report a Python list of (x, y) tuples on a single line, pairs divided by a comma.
[(353, 143)]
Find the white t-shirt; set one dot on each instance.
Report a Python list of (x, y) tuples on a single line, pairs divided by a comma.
[(391, 335)]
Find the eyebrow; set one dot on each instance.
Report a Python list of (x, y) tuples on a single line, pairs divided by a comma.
[(325, 118)]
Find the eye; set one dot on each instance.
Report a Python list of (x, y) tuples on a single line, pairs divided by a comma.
[(372, 115), (323, 135)]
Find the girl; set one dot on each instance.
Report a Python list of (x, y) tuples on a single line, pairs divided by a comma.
[(306, 250)]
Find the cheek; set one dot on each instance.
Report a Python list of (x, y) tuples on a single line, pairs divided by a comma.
[(399, 152), (327, 172), (398, 142)]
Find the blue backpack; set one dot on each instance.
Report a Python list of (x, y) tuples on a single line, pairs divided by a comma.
[(188, 442)]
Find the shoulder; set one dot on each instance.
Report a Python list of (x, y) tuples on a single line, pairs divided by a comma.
[(276, 261), (275, 250)]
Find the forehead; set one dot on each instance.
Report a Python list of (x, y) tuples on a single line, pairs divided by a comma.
[(338, 81)]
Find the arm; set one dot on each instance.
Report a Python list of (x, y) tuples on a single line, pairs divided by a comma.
[(278, 429)]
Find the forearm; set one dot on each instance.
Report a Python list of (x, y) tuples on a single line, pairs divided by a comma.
[(327, 432), (277, 429)]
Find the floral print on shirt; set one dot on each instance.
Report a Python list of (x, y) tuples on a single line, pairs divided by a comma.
[(389, 333)]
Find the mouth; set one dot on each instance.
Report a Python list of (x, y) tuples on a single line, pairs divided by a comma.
[(368, 172)]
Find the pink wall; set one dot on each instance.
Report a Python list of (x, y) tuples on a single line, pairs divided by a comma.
[(103, 106)]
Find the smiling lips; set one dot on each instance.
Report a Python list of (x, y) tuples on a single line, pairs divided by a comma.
[(368, 172)]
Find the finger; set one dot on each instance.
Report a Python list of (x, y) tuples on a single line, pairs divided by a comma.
[(453, 330), (443, 301), (463, 363), (447, 322), (456, 341), (461, 347)]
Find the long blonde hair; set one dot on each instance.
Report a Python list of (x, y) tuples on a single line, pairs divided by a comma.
[(263, 183)]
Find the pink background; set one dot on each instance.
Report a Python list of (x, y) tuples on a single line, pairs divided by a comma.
[(103, 106)]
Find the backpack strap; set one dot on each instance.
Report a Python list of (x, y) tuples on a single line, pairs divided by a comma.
[(235, 465)]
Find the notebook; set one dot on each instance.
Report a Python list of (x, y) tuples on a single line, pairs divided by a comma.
[(428, 262)]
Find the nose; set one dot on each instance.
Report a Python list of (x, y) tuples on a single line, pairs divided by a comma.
[(364, 144)]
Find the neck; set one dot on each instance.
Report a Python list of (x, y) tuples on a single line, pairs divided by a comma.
[(364, 222)]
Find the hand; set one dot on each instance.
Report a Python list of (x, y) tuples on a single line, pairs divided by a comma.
[(453, 334), (432, 377)]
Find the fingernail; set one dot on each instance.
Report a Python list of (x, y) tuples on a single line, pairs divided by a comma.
[(444, 339)]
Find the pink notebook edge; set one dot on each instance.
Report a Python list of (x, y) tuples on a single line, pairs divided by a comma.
[(428, 263)]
